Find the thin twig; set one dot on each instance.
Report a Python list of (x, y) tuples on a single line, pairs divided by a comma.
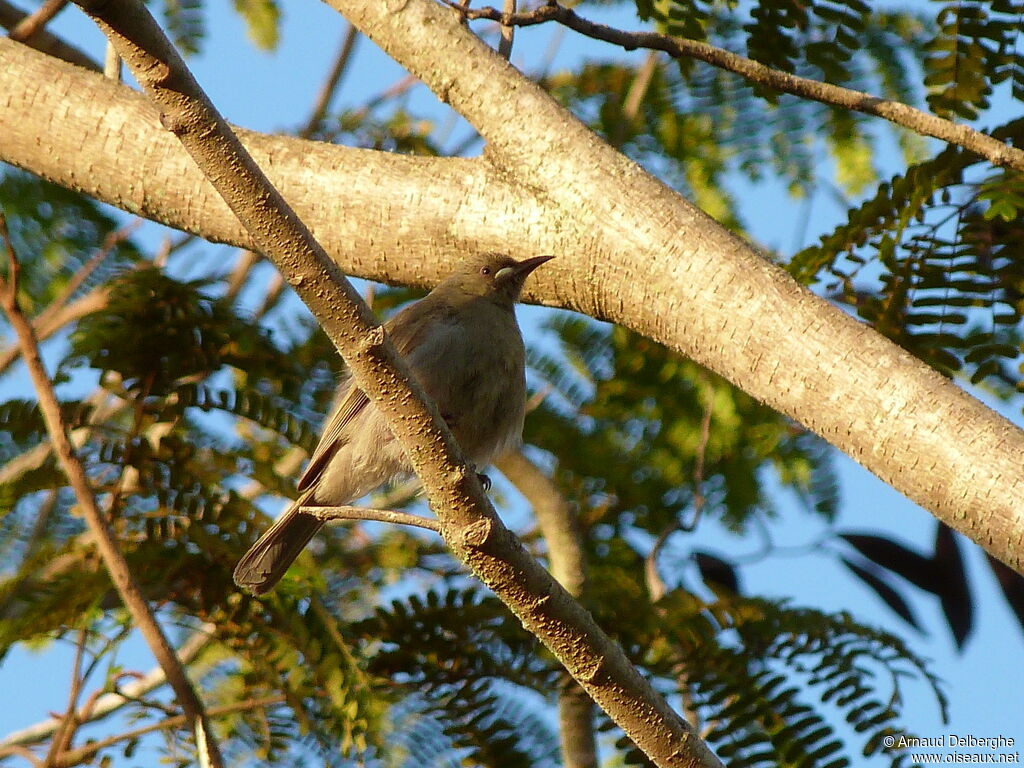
[(23, 752), (698, 463), (398, 88), (508, 32), (117, 566), (240, 273), (550, 52), (567, 561), (638, 88), (655, 584), (45, 41), (330, 86), (634, 97), (92, 301), (373, 515), (112, 69), (69, 723), (35, 22), (466, 144), (86, 751), (895, 112), (110, 243)]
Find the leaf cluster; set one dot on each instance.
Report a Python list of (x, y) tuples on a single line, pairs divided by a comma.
[(189, 437), (756, 672), (975, 48), (696, 125), (752, 665), (624, 417), (184, 440), (932, 261)]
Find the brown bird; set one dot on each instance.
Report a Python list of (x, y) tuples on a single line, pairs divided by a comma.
[(465, 349)]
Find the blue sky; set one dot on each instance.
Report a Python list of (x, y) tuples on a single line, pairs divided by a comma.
[(274, 91)]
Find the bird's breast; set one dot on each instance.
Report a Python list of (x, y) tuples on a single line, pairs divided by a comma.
[(472, 364)]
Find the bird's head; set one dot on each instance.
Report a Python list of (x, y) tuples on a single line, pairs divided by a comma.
[(493, 275)]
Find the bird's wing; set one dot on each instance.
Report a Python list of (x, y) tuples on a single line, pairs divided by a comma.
[(350, 404), (405, 329)]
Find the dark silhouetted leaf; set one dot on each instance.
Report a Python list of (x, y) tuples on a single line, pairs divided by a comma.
[(1012, 585), (954, 592), (913, 566), (884, 590), (716, 572)]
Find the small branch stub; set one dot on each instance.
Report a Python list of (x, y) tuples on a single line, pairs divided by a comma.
[(594, 672), (477, 534), (374, 338)]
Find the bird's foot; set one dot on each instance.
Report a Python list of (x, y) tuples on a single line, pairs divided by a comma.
[(485, 481)]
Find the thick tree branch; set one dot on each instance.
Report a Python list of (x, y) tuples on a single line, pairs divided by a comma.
[(896, 112), (646, 257), (633, 251), (117, 566), (468, 522)]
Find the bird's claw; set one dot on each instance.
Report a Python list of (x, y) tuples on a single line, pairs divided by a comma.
[(485, 481)]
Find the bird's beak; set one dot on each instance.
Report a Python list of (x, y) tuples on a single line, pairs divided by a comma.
[(526, 266), (516, 273)]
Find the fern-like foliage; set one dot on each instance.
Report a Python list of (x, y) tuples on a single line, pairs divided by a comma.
[(757, 674), (461, 691), (384, 128), (932, 260), (976, 47), (616, 394), (56, 232), (694, 124)]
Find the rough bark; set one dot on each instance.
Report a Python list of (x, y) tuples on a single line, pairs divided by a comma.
[(468, 522), (632, 250)]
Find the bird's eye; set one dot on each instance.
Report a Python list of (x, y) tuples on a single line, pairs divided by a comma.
[(485, 270)]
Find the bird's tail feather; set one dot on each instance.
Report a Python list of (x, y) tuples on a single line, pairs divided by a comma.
[(267, 560)]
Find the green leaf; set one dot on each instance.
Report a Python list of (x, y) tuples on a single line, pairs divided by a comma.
[(262, 20)]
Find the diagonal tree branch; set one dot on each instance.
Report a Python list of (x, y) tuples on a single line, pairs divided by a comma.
[(634, 252), (11, 17), (896, 112), (644, 256), (468, 522), (120, 573)]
